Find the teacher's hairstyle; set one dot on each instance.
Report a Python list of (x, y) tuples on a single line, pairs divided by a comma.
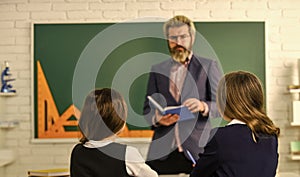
[(104, 114), (240, 96), (178, 21)]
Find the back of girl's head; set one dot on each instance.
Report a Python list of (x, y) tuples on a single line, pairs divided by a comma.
[(241, 92), (240, 96), (104, 114)]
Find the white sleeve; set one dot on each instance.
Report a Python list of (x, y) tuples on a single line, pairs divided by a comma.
[(135, 164)]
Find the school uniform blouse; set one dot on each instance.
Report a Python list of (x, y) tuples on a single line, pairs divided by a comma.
[(134, 162), (232, 152)]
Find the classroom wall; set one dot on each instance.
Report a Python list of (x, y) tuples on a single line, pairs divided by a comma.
[(282, 51)]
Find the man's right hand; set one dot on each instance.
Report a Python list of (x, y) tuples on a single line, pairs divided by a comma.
[(166, 120)]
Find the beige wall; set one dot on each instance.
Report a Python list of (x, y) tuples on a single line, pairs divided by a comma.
[(283, 49)]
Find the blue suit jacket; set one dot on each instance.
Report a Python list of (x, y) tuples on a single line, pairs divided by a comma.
[(201, 83), (232, 153)]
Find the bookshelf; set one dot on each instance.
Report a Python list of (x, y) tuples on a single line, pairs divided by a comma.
[(294, 90), (7, 94), (295, 157)]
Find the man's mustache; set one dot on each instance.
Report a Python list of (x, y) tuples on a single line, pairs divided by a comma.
[(179, 47)]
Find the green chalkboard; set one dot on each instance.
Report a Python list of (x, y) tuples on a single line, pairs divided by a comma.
[(78, 57)]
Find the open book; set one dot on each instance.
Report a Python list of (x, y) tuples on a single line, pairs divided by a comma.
[(182, 111)]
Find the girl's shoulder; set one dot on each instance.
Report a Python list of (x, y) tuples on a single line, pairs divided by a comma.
[(230, 129)]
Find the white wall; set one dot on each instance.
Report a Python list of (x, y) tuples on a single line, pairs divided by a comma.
[(283, 49)]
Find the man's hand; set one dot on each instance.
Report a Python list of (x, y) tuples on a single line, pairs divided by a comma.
[(194, 105), (166, 120)]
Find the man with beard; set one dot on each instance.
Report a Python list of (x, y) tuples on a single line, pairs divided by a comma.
[(184, 79)]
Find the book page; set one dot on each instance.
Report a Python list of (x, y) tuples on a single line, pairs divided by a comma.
[(158, 106)]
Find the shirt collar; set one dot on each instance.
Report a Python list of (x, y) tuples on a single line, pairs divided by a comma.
[(236, 121), (97, 144), (190, 56)]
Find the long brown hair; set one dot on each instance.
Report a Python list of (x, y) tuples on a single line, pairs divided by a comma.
[(104, 114), (240, 96)]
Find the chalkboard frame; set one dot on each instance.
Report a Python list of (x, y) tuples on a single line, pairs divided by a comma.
[(34, 70)]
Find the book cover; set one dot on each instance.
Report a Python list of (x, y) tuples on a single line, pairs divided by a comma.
[(50, 172), (182, 111)]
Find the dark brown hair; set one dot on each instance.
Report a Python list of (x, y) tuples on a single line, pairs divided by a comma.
[(104, 114)]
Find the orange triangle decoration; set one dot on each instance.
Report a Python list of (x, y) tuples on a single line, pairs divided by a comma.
[(52, 125)]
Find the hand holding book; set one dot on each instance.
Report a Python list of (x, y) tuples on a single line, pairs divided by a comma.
[(182, 111), (165, 120)]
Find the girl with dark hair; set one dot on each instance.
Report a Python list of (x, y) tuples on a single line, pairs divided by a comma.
[(103, 116)]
